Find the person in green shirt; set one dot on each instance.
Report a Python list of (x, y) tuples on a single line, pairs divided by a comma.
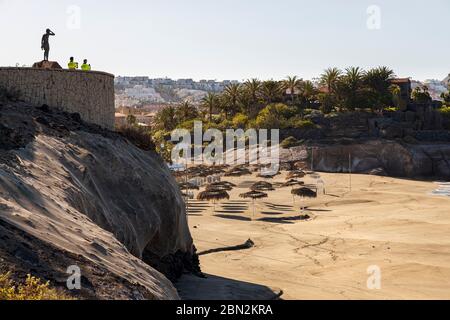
[(85, 66), (72, 64)]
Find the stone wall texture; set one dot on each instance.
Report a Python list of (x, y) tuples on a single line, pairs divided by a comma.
[(91, 94)]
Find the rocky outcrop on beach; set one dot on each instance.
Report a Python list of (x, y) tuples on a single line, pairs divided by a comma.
[(73, 194), (382, 157)]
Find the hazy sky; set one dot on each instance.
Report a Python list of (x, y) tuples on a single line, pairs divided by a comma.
[(232, 39)]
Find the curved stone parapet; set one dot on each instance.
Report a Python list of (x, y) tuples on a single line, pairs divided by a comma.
[(89, 93)]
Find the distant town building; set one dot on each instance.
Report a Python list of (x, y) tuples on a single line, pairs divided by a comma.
[(405, 87), (436, 88), (447, 80), (149, 94), (120, 120)]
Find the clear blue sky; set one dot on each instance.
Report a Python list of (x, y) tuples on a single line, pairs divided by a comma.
[(232, 39)]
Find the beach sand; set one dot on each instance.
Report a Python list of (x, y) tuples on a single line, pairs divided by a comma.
[(395, 225)]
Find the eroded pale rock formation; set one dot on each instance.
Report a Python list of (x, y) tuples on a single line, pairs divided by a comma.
[(74, 194), (380, 157)]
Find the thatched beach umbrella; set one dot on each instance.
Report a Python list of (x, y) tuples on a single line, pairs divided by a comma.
[(218, 187), (221, 185), (315, 176), (188, 186), (300, 165), (213, 195), (238, 172), (262, 186), (296, 174), (224, 183), (267, 175), (304, 193), (254, 195), (200, 171), (203, 171), (292, 183)]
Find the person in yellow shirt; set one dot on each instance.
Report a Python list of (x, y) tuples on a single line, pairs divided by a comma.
[(72, 64), (85, 66)]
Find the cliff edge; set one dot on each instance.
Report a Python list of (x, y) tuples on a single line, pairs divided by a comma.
[(73, 194)]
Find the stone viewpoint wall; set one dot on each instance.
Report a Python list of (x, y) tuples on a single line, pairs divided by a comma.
[(91, 94)]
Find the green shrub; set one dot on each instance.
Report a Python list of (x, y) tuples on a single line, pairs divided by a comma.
[(139, 136), (290, 143), (275, 116), (446, 97), (391, 109), (32, 289), (421, 95), (240, 121), (298, 123), (445, 111), (327, 101), (222, 126), (188, 125)]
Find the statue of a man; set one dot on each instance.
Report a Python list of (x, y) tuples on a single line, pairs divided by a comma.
[(45, 45)]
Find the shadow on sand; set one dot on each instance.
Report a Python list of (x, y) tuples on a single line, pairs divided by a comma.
[(232, 217), (216, 288), (285, 220), (269, 213)]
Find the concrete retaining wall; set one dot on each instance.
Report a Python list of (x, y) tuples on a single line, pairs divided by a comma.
[(91, 94)]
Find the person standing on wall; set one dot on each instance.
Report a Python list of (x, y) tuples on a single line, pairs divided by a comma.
[(72, 64), (85, 66), (45, 45)]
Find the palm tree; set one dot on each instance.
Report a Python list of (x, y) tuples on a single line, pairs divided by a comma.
[(292, 84), (271, 91), (354, 77), (186, 111), (253, 89), (378, 82), (349, 87), (396, 93), (330, 78), (379, 78), (308, 91), (166, 118), (245, 101), (131, 120), (210, 103), (231, 98)]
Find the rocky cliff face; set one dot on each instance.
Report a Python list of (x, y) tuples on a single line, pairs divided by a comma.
[(382, 157), (74, 194)]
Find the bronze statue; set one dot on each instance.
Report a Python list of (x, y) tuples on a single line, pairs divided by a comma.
[(45, 45)]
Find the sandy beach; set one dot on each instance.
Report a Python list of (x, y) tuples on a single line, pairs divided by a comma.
[(393, 224)]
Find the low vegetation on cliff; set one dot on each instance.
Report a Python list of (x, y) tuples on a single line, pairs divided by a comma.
[(32, 289)]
